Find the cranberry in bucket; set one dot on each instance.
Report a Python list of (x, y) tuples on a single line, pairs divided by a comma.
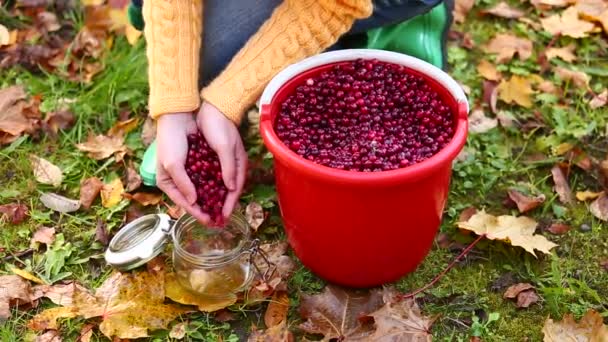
[(363, 142)]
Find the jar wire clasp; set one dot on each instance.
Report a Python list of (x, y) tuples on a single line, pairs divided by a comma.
[(270, 267)]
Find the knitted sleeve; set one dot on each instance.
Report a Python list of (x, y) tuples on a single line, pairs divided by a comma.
[(173, 34), (296, 29)]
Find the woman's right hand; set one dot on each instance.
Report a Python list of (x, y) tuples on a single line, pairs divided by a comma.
[(172, 149)]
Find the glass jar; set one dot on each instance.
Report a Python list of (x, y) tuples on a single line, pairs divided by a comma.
[(214, 262)]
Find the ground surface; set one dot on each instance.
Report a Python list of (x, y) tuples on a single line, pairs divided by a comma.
[(517, 153)]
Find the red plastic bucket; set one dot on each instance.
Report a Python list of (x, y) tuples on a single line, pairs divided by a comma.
[(353, 228)]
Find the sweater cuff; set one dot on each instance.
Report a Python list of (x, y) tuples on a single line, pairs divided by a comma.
[(185, 104)]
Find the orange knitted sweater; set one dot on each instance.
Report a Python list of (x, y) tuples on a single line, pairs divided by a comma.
[(296, 29)]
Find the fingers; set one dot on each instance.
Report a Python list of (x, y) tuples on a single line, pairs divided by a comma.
[(226, 154), (179, 176), (168, 186), (241, 173)]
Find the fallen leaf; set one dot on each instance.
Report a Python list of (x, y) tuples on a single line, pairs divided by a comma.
[(461, 9), (59, 203), (335, 313), (129, 304), (276, 313), (175, 211), (525, 203), (132, 34), (111, 193), (145, 198), (89, 189), (567, 24), (14, 291), (101, 233), (122, 128), (277, 333), (595, 11), (488, 71), (564, 53), (148, 132), (49, 336), (61, 294), (516, 289), (254, 213), (86, 333), (277, 267), (467, 213), (27, 275), (12, 120), (561, 185), (490, 94), (59, 120), (401, 321), (579, 158), (504, 10), (527, 298), (587, 195), (101, 147), (578, 78), (178, 331), (48, 22), (505, 119), (5, 36), (559, 228), (518, 231), (599, 100), (44, 235), (46, 172), (546, 4), (516, 90), (480, 123), (590, 328), (599, 207), (133, 179), (14, 213), (177, 293), (547, 87), (533, 24), (506, 45)]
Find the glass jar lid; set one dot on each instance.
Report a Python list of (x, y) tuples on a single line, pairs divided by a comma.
[(139, 241)]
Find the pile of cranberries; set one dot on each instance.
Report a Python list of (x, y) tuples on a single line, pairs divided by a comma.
[(365, 115), (203, 168)]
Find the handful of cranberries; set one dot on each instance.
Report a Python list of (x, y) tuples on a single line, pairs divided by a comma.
[(365, 115), (203, 168)]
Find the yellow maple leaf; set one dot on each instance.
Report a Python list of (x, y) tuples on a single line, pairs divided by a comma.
[(565, 53), (567, 24), (516, 90), (488, 71), (518, 231), (111, 193)]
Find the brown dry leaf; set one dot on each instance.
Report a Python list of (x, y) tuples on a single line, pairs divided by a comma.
[(579, 78), (175, 211), (507, 45), (47, 21), (129, 304), (505, 119), (518, 231), (15, 291), (587, 195), (599, 100), (122, 128), (546, 4), (179, 294), (559, 228), (564, 53), (101, 147), (14, 213), (516, 90), (336, 312), (44, 235), (504, 10), (401, 321), (133, 179), (567, 24), (86, 333), (467, 213), (59, 120), (590, 328), (599, 207), (89, 189), (111, 193), (60, 294), (254, 213), (276, 313), (12, 120), (178, 331), (488, 71), (148, 132), (480, 123), (527, 298), (594, 11), (277, 333), (145, 198), (579, 158), (561, 185), (281, 268), (461, 9), (525, 203), (516, 289), (59, 203), (46, 172), (49, 336), (101, 233), (490, 94), (547, 87)]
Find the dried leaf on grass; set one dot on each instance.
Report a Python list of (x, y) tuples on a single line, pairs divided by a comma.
[(546, 4), (587, 195), (506, 45), (16, 291), (490, 95), (133, 179), (101, 147), (525, 294), (49, 336), (145, 198), (178, 331), (488, 71), (129, 304), (277, 333), (561, 185), (46, 172), (59, 120), (89, 189), (518, 231), (525, 203), (401, 321), (559, 228), (567, 24), (599, 100), (595, 11), (461, 9), (111, 193), (44, 235), (516, 90), (590, 328), (14, 213), (578, 78), (60, 294), (504, 10), (565, 53), (480, 123), (5, 36), (254, 213), (27, 275), (13, 122), (599, 207), (148, 132), (59, 203), (276, 313)]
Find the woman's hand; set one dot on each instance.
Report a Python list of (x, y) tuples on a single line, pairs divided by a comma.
[(223, 137), (172, 149)]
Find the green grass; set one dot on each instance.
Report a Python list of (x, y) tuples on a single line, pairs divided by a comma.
[(569, 280)]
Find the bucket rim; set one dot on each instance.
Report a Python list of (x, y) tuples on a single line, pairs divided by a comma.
[(411, 173)]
